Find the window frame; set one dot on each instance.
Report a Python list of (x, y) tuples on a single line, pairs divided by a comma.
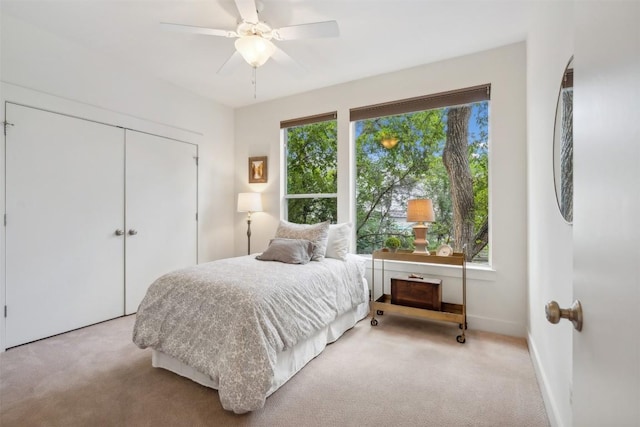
[(301, 121), (452, 98)]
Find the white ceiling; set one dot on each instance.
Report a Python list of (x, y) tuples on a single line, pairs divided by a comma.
[(376, 36)]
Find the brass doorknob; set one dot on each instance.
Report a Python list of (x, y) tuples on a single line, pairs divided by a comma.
[(555, 313)]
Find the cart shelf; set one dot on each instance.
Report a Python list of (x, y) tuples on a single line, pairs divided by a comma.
[(455, 313)]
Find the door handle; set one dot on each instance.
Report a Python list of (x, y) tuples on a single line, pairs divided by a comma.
[(119, 232), (574, 313), (132, 232)]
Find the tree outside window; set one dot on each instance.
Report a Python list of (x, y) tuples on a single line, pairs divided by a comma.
[(434, 147), (440, 154), (312, 169)]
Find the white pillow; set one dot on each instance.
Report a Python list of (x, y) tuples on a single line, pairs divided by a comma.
[(339, 241), (316, 233)]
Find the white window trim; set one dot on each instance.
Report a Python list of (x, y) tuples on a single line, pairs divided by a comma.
[(471, 266), (284, 211), (479, 272), (312, 196)]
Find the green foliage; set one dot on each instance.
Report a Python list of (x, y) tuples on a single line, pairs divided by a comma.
[(311, 211), (479, 164), (312, 158), (392, 242), (386, 178), (312, 168)]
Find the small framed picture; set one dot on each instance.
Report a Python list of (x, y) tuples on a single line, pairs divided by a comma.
[(257, 169)]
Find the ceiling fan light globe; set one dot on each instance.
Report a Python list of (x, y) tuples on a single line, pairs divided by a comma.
[(255, 50)]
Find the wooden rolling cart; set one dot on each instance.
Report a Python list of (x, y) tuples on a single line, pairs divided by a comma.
[(455, 313)]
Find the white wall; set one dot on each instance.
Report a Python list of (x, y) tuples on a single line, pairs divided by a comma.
[(496, 299), (42, 70), (549, 47)]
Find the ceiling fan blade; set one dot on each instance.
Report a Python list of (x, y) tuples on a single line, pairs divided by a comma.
[(198, 30), (308, 31), (230, 64), (248, 10), (290, 64)]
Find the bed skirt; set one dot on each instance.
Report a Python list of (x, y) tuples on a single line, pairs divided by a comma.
[(289, 361)]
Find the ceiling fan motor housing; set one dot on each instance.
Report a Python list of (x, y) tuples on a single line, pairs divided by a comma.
[(260, 29)]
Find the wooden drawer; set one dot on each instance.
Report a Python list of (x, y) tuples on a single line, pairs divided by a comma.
[(420, 293)]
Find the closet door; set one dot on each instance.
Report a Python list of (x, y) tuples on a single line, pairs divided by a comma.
[(161, 208), (64, 203)]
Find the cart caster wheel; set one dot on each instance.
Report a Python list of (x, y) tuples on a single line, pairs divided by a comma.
[(461, 339), (374, 322), (379, 312), (466, 325)]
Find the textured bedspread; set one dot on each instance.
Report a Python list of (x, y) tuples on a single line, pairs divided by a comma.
[(229, 318)]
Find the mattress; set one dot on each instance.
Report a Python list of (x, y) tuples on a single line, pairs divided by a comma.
[(230, 319), (289, 361)]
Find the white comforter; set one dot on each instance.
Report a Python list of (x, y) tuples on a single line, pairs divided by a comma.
[(229, 318)]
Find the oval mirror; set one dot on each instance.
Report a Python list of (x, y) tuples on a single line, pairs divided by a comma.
[(563, 145)]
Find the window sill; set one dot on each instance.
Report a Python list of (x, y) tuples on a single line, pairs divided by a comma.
[(474, 271)]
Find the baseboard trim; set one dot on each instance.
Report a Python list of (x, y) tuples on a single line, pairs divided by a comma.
[(498, 326), (547, 395)]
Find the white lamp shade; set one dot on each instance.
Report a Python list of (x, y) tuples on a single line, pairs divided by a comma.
[(255, 50), (249, 202), (420, 210)]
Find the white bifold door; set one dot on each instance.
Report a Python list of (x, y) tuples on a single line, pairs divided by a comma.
[(94, 213), (161, 201)]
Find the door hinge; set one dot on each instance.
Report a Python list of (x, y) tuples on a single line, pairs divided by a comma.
[(5, 311), (5, 220), (196, 216), (6, 123), (197, 160)]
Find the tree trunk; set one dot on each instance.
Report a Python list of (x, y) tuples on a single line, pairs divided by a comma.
[(480, 240), (566, 156), (456, 161)]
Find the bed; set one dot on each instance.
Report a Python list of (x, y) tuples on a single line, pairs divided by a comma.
[(245, 326)]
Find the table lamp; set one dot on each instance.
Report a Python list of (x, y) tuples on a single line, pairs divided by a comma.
[(420, 211)]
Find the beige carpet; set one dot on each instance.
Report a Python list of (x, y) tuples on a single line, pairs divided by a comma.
[(404, 372)]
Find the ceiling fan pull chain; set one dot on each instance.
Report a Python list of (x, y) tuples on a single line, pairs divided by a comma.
[(254, 80)]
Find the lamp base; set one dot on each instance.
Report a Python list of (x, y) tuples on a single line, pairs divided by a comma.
[(249, 234), (420, 241)]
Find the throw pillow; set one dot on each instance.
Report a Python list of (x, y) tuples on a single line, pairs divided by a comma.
[(316, 233), (339, 241), (290, 251)]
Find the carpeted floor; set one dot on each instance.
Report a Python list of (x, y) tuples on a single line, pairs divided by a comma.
[(404, 372)]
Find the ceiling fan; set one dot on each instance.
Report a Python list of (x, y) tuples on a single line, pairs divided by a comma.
[(254, 37)]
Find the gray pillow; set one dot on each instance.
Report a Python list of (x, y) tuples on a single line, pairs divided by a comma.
[(290, 251), (316, 233)]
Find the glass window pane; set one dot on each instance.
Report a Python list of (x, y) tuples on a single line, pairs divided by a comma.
[(311, 211), (402, 157), (312, 158)]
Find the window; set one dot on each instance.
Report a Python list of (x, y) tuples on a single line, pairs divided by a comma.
[(311, 158), (434, 147)]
